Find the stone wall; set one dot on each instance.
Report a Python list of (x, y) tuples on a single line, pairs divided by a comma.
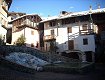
[(7, 49)]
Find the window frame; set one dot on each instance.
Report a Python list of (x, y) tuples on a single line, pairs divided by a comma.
[(69, 29), (85, 41), (52, 32)]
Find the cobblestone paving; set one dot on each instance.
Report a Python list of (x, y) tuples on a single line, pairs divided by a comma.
[(8, 74)]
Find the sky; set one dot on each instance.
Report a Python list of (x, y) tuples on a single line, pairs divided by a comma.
[(46, 8)]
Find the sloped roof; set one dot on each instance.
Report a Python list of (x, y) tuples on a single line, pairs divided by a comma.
[(25, 16), (75, 14)]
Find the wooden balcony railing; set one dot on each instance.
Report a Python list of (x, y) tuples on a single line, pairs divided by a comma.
[(25, 23), (49, 38), (86, 32), (82, 32)]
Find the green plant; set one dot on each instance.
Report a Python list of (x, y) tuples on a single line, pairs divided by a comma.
[(1, 40), (21, 40)]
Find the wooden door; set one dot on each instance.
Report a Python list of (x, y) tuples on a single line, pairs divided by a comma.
[(71, 44)]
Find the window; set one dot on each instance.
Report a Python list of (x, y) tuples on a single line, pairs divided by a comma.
[(52, 32), (69, 29), (32, 32), (68, 21), (52, 23), (84, 18), (85, 27), (85, 41)]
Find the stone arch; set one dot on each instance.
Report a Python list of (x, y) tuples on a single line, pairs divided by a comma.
[(76, 54)]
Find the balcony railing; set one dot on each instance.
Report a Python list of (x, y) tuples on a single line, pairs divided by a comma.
[(49, 38), (82, 32), (26, 23), (86, 32), (70, 37)]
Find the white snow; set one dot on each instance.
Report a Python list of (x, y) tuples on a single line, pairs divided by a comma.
[(27, 60), (75, 14)]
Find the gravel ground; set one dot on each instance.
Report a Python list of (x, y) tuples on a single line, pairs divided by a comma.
[(8, 74)]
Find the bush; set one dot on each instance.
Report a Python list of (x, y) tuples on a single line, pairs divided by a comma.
[(1, 40), (21, 40)]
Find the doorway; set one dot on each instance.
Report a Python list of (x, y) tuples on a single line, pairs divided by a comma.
[(71, 44)]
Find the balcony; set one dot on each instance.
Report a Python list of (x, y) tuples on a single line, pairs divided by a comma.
[(49, 38), (82, 32), (86, 32), (25, 23)]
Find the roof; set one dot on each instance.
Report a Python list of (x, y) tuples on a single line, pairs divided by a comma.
[(75, 14), (25, 16), (14, 13), (50, 18)]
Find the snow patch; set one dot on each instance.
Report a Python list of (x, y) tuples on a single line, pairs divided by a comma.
[(27, 60)]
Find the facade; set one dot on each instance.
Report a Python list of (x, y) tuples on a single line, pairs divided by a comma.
[(73, 31), (12, 16), (26, 25), (4, 6)]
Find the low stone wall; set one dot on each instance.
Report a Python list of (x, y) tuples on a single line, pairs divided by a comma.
[(15, 66), (7, 49)]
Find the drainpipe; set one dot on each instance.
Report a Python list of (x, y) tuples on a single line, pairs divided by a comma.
[(79, 28), (93, 57), (24, 27), (24, 32), (91, 20), (57, 28)]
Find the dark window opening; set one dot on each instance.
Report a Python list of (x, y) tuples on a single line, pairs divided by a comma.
[(68, 21), (52, 32), (85, 41), (52, 23)]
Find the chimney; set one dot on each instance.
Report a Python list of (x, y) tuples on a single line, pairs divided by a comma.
[(90, 7), (63, 13), (98, 6), (48, 15)]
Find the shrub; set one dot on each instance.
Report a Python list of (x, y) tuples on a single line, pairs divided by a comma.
[(21, 40), (1, 40)]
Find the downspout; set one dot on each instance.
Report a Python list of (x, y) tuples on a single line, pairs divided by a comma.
[(79, 28), (57, 28), (24, 28)]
